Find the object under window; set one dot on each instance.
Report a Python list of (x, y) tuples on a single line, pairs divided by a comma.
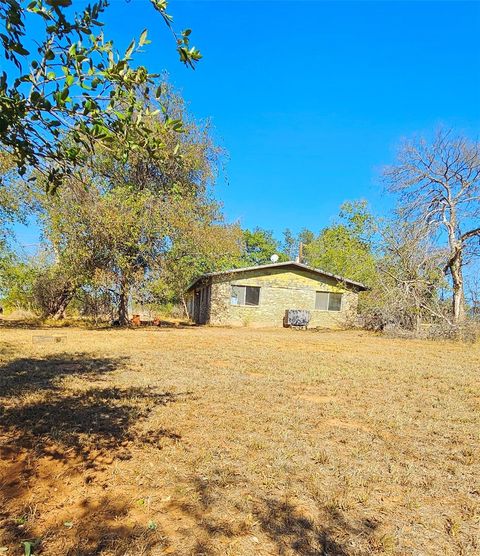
[(245, 295), (328, 301)]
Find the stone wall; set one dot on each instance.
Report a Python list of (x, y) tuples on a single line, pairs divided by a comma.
[(281, 289)]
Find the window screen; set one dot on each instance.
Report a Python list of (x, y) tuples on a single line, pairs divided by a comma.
[(252, 295), (327, 301), (245, 295), (321, 301), (238, 295), (335, 302)]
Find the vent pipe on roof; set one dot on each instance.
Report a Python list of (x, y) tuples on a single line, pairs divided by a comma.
[(300, 253)]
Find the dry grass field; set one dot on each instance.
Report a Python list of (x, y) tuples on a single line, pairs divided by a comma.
[(202, 441)]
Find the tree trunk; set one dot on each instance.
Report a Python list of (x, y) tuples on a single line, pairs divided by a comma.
[(418, 320), (458, 307), (185, 307), (61, 304), (123, 303)]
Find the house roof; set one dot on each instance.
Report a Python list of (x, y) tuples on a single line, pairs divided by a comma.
[(300, 266)]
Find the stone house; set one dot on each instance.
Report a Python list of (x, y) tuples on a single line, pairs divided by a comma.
[(260, 295)]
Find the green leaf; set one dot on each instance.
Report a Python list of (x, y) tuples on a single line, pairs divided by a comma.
[(18, 48), (59, 3), (35, 97), (69, 80), (129, 50), (143, 38)]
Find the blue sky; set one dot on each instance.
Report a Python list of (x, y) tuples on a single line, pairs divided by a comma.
[(310, 98)]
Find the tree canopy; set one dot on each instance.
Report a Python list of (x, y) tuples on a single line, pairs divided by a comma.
[(346, 248), (63, 79), (258, 247)]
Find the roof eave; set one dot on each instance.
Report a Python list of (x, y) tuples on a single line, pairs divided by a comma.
[(276, 265)]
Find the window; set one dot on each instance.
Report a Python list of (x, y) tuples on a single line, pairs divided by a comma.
[(328, 301), (238, 295), (334, 302), (321, 301), (252, 295), (245, 295)]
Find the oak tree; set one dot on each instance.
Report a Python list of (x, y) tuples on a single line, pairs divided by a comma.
[(438, 184), (62, 77)]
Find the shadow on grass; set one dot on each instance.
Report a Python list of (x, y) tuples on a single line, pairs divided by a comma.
[(98, 527), (51, 435), (33, 375), (27, 324), (294, 533), (99, 419), (288, 530), (291, 532)]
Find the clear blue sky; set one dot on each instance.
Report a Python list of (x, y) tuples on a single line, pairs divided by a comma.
[(310, 98)]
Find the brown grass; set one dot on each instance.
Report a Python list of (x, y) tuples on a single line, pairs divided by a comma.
[(202, 441)]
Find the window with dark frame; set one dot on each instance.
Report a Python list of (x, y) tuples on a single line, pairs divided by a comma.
[(245, 295), (252, 295), (328, 301)]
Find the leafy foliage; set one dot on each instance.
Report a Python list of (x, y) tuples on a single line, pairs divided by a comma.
[(17, 282), (346, 248), (71, 83), (197, 246), (293, 245), (143, 226), (258, 246)]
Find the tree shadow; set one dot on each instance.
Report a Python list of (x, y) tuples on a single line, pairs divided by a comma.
[(99, 527), (210, 516), (99, 419), (294, 533), (21, 376), (289, 530), (51, 434), (25, 324)]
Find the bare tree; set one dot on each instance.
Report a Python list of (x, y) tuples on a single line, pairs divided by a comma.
[(410, 272), (474, 296), (439, 185), (408, 283)]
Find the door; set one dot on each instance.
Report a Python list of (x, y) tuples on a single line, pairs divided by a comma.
[(202, 305), (196, 306)]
